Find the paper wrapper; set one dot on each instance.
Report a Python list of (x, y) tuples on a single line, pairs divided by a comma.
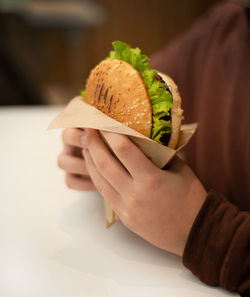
[(79, 114)]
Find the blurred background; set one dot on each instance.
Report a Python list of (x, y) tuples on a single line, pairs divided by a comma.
[(48, 47)]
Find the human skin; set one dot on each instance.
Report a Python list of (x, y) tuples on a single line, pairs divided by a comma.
[(158, 205)]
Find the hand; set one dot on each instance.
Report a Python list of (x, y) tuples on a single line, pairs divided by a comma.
[(72, 162), (158, 205)]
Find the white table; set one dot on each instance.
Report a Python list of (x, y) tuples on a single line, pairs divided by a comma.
[(53, 241)]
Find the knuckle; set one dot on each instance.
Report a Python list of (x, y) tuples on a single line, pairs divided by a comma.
[(151, 182), (122, 146), (65, 134), (135, 203), (70, 136)]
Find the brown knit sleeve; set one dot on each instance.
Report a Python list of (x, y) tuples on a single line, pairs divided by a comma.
[(218, 246)]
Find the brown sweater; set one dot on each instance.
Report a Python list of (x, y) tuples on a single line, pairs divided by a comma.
[(211, 65)]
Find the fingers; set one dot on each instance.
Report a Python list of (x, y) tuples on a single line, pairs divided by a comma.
[(133, 159), (71, 161), (71, 164), (79, 183), (72, 141), (72, 137), (101, 183), (108, 166)]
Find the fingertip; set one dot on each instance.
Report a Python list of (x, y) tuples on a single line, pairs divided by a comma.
[(85, 154), (72, 137), (84, 151)]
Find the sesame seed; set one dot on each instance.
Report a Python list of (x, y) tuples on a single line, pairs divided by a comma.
[(138, 122), (145, 110)]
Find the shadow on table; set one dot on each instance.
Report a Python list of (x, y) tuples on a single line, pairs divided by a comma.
[(115, 253)]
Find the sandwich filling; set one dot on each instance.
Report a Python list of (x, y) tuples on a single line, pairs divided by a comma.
[(159, 93)]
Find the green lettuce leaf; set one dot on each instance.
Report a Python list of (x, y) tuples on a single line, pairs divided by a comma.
[(83, 93), (161, 100)]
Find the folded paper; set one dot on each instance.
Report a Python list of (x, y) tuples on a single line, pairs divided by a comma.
[(79, 114)]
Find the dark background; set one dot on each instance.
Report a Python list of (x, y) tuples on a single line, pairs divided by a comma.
[(46, 60)]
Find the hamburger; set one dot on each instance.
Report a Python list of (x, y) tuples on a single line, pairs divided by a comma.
[(125, 88)]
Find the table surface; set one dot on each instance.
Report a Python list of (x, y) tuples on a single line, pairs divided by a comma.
[(53, 240)]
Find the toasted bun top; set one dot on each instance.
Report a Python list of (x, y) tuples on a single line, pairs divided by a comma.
[(117, 89)]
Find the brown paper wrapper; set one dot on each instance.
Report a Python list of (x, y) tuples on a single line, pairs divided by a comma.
[(79, 114)]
